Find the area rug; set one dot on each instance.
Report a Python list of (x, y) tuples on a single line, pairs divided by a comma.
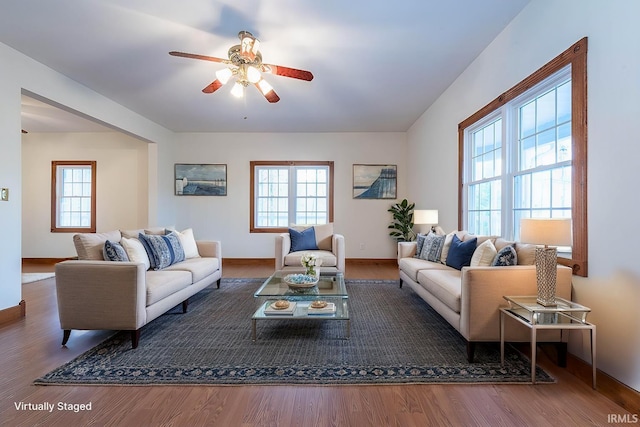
[(35, 277), (395, 338)]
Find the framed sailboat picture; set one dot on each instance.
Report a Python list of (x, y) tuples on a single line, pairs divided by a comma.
[(200, 179), (375, 181)]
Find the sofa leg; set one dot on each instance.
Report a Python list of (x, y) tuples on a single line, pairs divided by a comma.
[(135, 338), (471, 349), (65, 336), (400, 283), (218, 283), (185, 304)]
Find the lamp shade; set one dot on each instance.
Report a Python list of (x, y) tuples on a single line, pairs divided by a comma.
[(546, 231), (425, 216)]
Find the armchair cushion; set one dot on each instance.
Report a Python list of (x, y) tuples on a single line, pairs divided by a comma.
[(304, 240), (323, 234)]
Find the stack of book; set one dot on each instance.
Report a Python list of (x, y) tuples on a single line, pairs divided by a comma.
[(330, 308), (271, 309)]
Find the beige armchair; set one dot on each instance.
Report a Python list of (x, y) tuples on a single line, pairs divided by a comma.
[(330, 249)]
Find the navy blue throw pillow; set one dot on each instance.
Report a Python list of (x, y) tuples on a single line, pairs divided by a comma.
[(460, 252), (303, 240)]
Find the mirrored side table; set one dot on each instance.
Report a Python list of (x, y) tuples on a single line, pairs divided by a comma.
[(564, 315)]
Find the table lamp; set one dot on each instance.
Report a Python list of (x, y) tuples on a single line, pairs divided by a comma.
[(546, 231), (426, 217)]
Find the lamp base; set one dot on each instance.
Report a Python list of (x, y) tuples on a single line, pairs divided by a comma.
[(546, 272)]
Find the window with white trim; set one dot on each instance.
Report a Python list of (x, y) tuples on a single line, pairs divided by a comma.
[(530, 175), (524, 155), (73, 196), (285, 193)]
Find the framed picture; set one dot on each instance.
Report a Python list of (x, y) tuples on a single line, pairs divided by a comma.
[(200, 180), (374, 181)]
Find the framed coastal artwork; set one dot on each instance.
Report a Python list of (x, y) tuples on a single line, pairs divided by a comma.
[(200, 179), (375, 181)]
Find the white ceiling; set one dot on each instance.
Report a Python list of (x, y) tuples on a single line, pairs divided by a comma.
[(377, 65)]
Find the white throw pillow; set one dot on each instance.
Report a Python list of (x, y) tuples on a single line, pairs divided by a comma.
[(484, 254), (188, 243), (135, 251)]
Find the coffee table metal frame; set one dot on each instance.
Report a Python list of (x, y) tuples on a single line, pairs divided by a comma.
[(330, 288), (565, 315)]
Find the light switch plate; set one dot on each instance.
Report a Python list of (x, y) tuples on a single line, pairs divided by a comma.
[(4, 194)]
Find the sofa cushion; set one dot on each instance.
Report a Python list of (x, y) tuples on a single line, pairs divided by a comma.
[(304, 240), (135, 251), (294, 259), (484, 254), (432, 247), (419, 243), (460, 253), (447, 244), (411, 266), (506, 256), (90, 246), (161, 284), (526, 254), (163, 250), (444, 284), (189, 244), (198, 267), (113, 251)]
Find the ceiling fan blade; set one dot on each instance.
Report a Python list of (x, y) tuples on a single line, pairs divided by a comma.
[(196, 56), (287, 72), (214, 86), (271, 96)]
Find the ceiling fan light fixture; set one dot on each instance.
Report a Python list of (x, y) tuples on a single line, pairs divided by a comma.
[(224, 75), (253, 74), (237, 90)]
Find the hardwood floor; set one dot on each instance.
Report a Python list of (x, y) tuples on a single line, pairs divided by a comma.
[(31, 347)]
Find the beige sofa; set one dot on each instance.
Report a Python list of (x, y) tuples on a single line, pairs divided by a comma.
[(470, 298), (95, 294)]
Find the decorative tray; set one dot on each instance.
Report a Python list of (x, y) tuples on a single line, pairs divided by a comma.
[(300, 280)]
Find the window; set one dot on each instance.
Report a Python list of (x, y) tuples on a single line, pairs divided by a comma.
[(524, 156), (73, 196), (284, 193)]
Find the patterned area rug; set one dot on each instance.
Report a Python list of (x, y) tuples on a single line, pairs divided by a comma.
[(395, 338)]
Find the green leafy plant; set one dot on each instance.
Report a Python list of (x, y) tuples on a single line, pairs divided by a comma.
[(402, 224)]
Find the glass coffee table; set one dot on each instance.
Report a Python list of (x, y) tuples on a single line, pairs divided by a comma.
[(330, 289), (564, 315)]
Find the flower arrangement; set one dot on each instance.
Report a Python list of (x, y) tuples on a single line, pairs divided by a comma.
[(310, 262)]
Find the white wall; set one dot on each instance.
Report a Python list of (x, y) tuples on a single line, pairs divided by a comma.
[(19, 73), (227, 218), (544, 29), (122, 186)]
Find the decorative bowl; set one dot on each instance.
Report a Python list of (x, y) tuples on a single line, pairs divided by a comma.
[(300, 281)]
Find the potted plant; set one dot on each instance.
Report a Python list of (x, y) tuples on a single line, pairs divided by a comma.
[(402, 225)]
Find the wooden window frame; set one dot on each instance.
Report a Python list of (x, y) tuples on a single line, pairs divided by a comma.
[(576, 56), (252, 195), (54, 198)]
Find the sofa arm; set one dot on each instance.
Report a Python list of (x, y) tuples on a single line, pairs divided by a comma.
[(337, 247), (101, 295), (210, 249), (482, 294), (283, 246), (407, 249)]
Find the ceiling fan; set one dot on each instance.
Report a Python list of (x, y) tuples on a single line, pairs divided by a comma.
[(246, 66)]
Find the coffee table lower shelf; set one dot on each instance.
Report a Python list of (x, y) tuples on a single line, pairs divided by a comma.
[(301, 312)]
